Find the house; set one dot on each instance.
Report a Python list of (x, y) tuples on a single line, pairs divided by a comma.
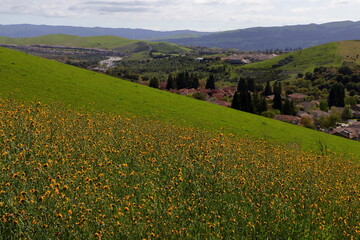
[(356, 114), (318, 114), (355, 125), (347, 132), (288, 119), (356, 107), (297, 98), (304, 114), (308, 105)]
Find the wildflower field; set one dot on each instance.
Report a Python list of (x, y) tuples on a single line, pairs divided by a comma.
[(71, 175)]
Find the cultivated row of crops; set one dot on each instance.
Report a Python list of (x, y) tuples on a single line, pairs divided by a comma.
[(69, 175)]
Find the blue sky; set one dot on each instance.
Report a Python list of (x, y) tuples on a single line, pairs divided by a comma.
[(202, 15)]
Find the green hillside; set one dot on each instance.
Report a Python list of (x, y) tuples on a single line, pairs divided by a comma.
[(27, 77), (101, 42), (331, 55)]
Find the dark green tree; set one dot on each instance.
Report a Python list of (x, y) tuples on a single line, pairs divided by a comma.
[(288, 108), (337, 95), (268, 90), (170, 84), (251, 84), (210, 83), (242, 85), (277, 98), (180, 80), (263, 107), (236, 101), (154, 83), (250, 106), (324, 106), (195, 81)]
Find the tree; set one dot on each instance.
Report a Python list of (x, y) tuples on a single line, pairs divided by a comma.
[(242, 85), (199, 96), (268, 90), (236, 101), (277, 98), (170, 83), (250, 106), (330, 121), (347, 113), (195, 81), (154, 83), (180, 81), (210, 83), (289, 108), (263, 107), (337, 95), (307, 122), (346, 70), (251, 84), (324, 106)]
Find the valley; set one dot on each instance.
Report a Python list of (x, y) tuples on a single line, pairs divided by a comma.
[(309, 73), (105, 137)]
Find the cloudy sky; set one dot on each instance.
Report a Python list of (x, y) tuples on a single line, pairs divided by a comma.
[(203, 15)]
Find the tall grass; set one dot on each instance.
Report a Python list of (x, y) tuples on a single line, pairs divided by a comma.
[(69, 175)]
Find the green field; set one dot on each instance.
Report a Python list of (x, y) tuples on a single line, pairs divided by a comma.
[(328, 55), (100, 42), (26, 77), (72, 175), (88, 156)]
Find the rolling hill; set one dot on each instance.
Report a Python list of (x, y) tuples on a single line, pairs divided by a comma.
[(99, 42), (27, 77), (262, 38), (29, 30), (257, 38), (332, 54)]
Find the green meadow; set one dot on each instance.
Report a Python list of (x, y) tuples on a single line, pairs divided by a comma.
[(26, 77), (332, 54), (101, 42)]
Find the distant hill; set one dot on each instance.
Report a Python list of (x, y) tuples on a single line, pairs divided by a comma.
[(262, 38), (332, 54), (100, 42), (25, 77), (28, 30)]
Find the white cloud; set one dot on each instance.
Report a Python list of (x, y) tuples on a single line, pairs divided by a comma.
[(178, 14), (301, 10)]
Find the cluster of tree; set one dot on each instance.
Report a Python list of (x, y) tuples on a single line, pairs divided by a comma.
[(286, 107), (333, 80), (162, 67), (283, 62), (154, 83), (247, 98), (210, 83), (182, 80), (337, 95)]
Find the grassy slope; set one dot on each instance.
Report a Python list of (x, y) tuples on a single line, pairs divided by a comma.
[(71, 41), (330, 54), (25, 77), (350, 50), (102, 42)]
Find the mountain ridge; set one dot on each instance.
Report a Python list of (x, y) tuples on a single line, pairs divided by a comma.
[(31, 30), (264, 38)]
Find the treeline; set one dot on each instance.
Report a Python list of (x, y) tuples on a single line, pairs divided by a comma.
[(251, 97), (182, 80), (336, 82)]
